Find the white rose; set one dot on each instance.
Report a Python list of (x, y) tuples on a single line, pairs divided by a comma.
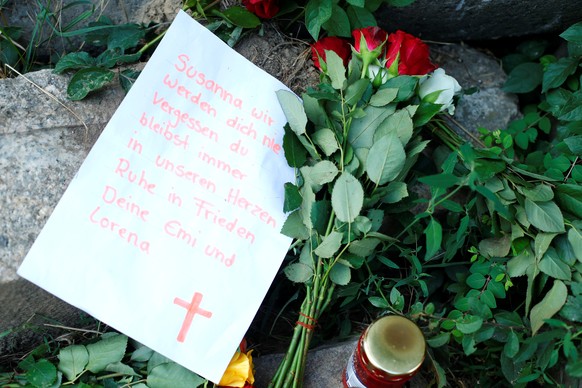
[(440, 82), (378, 75)]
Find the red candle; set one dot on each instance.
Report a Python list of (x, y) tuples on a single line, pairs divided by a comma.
[(388, 354)]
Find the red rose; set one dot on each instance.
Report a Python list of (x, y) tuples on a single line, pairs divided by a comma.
[(265, 9), (374, 37), (330, 43), (410, 52)]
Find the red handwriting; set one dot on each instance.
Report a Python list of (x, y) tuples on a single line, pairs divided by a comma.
[(239, 124), (238, 148), (135, 145), (208, 212), (164, 130), (235, 197), (181, 117), (270, 143), (183, 172), (263, 116), (107, 224), (183, 66), (174, 229), (193, 308), (221, 165), (215, 252), (188, 95), (123, 170), (111, 197)]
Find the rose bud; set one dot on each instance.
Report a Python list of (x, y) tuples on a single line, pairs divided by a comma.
[(439, 89)]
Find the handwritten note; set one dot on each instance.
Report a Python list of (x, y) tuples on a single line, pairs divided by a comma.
[(169, 232)]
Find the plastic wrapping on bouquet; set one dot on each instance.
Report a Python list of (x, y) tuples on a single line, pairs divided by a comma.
[(389, 352)]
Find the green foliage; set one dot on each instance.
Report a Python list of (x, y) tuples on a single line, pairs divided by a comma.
[(509, 257), (108, 360)]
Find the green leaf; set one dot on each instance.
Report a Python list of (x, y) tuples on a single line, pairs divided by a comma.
[(314, 111), (295, 153), (356, 90), (379, 302), (317, 12), (572, 310), (495, 246), (569, 197), (42, 374), (88, 80), (511, 346), (125, 36), (365, 247), (293, 109), (72, 361), (546, 216), (113, 57), (574, 369), (539, 193), (121, 369), (440, 181), (340, 274), (439, 340), (385, 159), (347, 197), (542, 243), (575, 240), (488, 298), (519, 265), (470, 324), (298, 272), (357, 3), (142, 354), (78, 60), (573, 33), (308, 199), (548, 306), (553, 266), (127, 78), (383, 97), (556, 73), (399, 123), (106, 351), (325, 139), (242, 17), (294, 227), (524, 78), (434, 236), (292, 197), (339, 23), (361, 132), (574, 143), (319, 174), (476, 281), (172, 375), (395, 192), (335, 69), (330, 245), (360, 17)]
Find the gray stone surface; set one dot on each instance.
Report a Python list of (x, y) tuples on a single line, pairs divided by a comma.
[(454, 20), (488, 106)]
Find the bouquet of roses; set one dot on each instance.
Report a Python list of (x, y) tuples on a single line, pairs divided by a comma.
[(352, 141)]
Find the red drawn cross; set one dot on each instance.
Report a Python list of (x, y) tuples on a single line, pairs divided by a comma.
[(193, 309)]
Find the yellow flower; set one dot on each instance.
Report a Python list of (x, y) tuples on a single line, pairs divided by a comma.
[(239, 371)]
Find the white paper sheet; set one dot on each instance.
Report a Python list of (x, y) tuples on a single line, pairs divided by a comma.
[(169, 232)]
